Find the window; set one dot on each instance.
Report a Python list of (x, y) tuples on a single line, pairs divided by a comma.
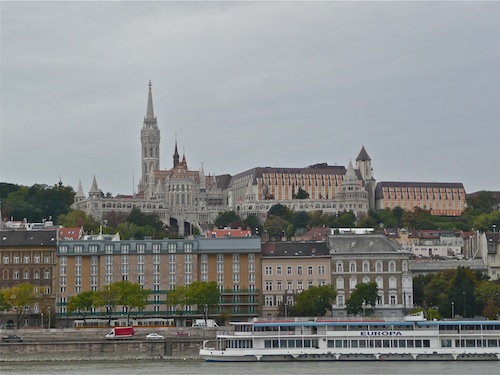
[(309, 270), (171, 248), (125, 248), (5, 259), (188, 247), (392, 266), (78, 248), (268, 270), (269, 301), (46, 274), (353, 281), (279, 285), (26, 274), (26, 259), (269, 286), (157, 248), (379, 266), (392, 300), (340, 283), (278, 270), (366, 266), (352, 266), (321, 270), (299, 270), (109, 249), (93, 248), (140, 248), (289, 270), (340, 300), (340, 267), (392, 282)]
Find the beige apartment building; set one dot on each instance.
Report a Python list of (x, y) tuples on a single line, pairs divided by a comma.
[(160, 266), (288, 268)]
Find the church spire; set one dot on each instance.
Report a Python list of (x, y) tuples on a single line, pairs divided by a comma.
[(176, 153), (150, 112)]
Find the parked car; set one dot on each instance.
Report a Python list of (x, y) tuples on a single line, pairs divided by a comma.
[(12, 338), (154, 336)]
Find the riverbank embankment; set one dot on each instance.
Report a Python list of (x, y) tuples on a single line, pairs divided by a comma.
[(90, 344)]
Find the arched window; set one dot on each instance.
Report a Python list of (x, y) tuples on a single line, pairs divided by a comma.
[(340, 267), (366, 266), (352, 266), (379, 266), (392, 266)]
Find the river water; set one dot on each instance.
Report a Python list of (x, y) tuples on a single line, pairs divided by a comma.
[(194, 367)]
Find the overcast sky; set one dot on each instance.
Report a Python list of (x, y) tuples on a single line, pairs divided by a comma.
[(249, 84)]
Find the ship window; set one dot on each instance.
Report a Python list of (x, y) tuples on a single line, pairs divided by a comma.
[(354, 343), (298, 343), (291, 343), (492, 343)]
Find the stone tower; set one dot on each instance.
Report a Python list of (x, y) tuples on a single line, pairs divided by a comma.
[(364, 164), (150, 144)]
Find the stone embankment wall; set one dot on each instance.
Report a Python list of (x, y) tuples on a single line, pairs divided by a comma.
[(88, 344)]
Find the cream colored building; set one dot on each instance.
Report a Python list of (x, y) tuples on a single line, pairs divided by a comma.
[(367, 258), (288, 268)]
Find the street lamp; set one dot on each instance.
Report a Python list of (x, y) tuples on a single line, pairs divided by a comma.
[(41, 320), (452, 309), (49, 318)]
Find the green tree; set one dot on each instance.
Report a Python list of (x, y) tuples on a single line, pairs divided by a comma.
[(276, 226), (301, 194), (363, 295), (78, 219), (203, 294), (4, 304), (345, 219), (315, 301), (178, 298), (107, 297), (131, 296), (81, 303), (279, 210), (252, 221), (228, 219), (20, 297)]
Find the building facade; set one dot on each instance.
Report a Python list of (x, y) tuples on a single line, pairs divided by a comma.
[(30, 256), (288, 268), (490, 253), (371, 258), (160, 266), (440, 198), (331, 189)]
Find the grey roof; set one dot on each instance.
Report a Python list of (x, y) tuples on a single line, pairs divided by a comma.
[(363, 243), (28, 238), (232, 244), (363, 155), (296, 249)]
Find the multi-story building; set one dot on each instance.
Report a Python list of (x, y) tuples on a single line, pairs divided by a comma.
[(330, 189), (289, 268), (440, 198), (371, 258), (160, 266), (489, 248), (30, 256)]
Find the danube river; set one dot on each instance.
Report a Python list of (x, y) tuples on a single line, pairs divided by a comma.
[(193, 367)]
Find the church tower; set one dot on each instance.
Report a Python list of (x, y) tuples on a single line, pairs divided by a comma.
[(364, 164), (150, 144)]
